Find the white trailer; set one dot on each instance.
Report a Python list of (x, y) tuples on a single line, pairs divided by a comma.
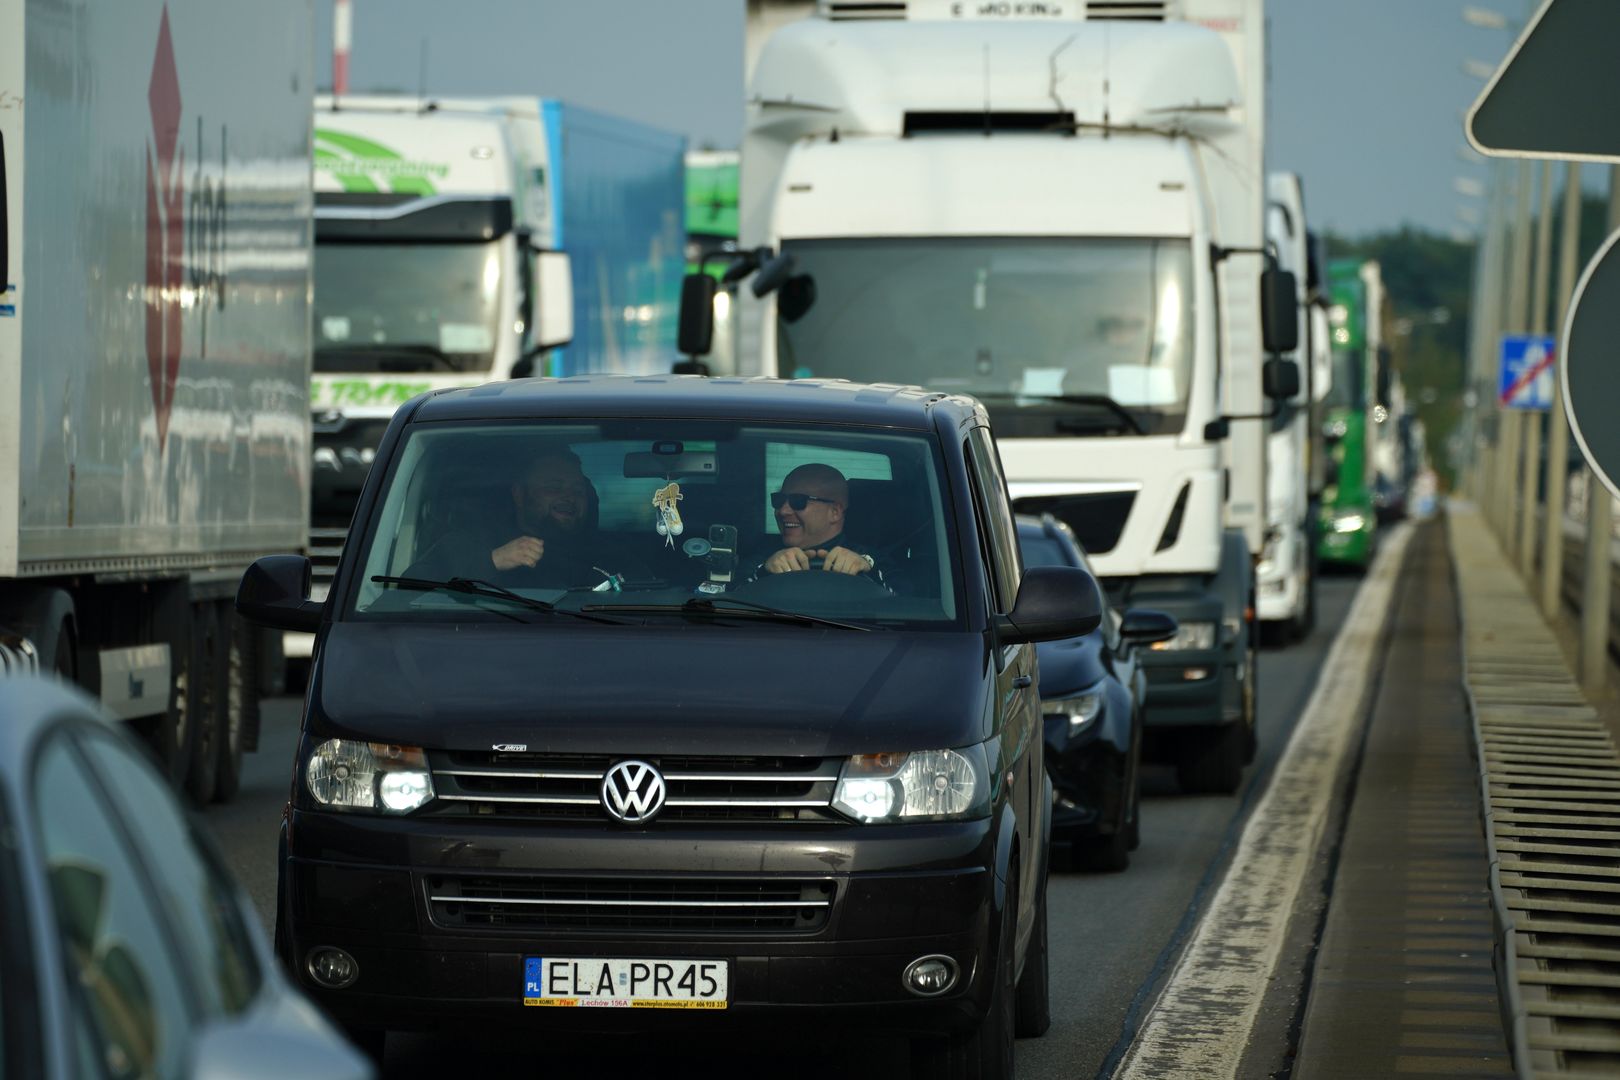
[(1286, 574), (154, 352), (1057, 208)]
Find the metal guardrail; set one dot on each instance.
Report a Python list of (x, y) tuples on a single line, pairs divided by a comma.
[(1550, 792)]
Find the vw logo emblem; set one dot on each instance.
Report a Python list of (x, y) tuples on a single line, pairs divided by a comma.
[(633, 792)]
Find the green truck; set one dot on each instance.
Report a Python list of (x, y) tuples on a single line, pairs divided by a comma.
[(1349, 520)]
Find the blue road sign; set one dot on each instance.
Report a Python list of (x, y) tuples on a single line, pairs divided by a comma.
[(1525, 378)]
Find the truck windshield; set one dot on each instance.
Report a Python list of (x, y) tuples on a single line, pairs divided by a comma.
[(1349, 389), (1057, 336), (646, 519), (393, 307)]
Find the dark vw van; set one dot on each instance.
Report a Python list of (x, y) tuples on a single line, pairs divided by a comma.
[(699, 702)]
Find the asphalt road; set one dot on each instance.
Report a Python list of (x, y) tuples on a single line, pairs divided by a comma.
[(1113, 936)]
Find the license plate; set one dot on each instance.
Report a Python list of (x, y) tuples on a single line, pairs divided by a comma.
[(624, 984)]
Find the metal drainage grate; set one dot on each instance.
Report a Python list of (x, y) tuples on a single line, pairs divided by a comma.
[(1550, 781)]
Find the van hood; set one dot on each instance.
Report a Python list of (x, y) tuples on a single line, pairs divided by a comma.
[(682, 689)]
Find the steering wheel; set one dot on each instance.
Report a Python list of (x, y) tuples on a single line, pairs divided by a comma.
[(810, 589)]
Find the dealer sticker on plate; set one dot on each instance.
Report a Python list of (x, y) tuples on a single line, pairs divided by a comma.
[(624, 984)]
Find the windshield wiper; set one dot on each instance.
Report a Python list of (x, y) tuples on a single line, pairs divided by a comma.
[(415, 353), (704, 605), (474, 587), (1095, 401)]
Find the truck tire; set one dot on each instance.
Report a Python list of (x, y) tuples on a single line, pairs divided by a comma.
[(206, 691), (171, 733), (1212, 764), (240, 703)]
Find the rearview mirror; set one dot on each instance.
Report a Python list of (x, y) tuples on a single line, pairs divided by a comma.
[(695, 337), (1053, 602), (1143, 626), (275, 593), (798, 297), (1279, 311)]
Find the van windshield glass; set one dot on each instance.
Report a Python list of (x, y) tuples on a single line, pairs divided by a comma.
[(396, 307), (712, 522), (1057, 336)]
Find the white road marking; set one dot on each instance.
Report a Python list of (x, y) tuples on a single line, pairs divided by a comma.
[(1201, 1024)]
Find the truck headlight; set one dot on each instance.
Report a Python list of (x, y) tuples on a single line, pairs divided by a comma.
[(1348, 523), (924, 785), (347, 775), (1080, 709), (1189, 635)]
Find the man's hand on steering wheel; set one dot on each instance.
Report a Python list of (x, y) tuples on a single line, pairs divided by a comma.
[(839, 559)]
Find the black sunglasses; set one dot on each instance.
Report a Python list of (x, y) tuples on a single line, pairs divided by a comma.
[(796, 499)]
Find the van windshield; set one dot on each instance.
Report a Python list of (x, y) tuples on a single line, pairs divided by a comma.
[(627, 520)]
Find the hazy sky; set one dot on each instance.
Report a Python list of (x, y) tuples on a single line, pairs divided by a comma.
[(1366, 95)]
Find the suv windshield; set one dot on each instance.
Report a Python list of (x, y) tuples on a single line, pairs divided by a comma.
[(712, 522), (1057, 336)]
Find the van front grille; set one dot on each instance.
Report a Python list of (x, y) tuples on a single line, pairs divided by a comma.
[(663, 905)]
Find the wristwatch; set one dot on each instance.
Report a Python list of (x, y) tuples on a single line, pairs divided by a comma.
[(870, 562)]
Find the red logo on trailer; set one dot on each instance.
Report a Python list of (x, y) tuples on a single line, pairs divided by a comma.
[(165, 229)]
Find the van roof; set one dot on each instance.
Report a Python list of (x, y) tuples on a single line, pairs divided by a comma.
[(801, 400)]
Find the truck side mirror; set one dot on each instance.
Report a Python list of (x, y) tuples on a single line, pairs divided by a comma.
[(1279, 311), (773, 274), (1279, 379), (553, 300), (1385, 376), (695, 337)]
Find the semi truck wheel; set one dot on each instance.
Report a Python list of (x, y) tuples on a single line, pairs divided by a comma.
[(239, 716), (206, 691), (171, 733)]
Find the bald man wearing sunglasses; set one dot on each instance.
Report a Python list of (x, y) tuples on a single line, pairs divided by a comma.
[(810, 512)]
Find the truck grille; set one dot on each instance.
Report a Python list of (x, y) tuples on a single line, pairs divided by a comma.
[(701, 789), (679, 905), (1098, 519)]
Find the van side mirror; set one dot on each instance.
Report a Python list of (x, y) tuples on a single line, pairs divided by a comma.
[(695, 336), (1053, 602), (275, 593), (1279, 311), (553, 324), (1279, 379), (1143, 626)]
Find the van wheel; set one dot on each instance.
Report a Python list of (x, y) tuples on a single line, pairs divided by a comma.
[(205, 691), (1034, 1002), (986, 1053)]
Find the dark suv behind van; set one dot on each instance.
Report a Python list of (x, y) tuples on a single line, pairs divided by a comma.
[(703, 695)]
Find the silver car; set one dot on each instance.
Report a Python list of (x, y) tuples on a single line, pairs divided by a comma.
[(126, 950)]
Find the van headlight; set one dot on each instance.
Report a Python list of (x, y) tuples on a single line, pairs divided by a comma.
[(1080, 709), (347, 775), (923, 785), (1189, 635)]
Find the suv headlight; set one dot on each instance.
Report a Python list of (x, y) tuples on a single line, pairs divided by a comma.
[(924, 785), (346, 775), (1081, 709), (1189, 635)]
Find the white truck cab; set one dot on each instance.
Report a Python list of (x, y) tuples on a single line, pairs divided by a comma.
[(1059, 213)]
